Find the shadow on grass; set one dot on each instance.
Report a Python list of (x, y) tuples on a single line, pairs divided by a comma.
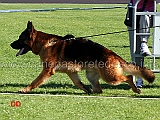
[(116, 46), (104, 86), (56, 85), (53, 85), (124, 46)]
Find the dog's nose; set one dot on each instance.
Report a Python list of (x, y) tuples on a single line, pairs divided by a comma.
[(14, 45)]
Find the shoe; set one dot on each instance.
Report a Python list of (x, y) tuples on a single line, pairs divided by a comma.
[(139, 83), (145, 50)]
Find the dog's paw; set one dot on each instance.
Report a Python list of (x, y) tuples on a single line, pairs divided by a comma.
[(22, 91), (89, 91), (25, 90), (138, 91), (97, 91)]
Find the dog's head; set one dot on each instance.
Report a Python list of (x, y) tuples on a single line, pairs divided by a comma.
[(22, 44), (31, 39)]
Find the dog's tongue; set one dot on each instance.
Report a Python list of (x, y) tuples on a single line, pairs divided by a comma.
[(20, 52)]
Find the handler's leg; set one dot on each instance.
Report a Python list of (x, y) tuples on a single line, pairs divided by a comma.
[(144, 28), (138, 60)]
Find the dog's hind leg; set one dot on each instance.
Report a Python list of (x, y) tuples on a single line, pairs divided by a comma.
[(76, 80), (129, 80), (93, 78), (115, 76), (132, 85)]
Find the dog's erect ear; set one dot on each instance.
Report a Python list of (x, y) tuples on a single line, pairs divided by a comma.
[(30, 27)]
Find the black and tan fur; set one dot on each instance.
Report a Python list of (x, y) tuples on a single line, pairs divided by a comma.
[(71, 55)]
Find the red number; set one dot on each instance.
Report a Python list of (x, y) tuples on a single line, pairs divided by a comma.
[(12, 103), (15, 103)]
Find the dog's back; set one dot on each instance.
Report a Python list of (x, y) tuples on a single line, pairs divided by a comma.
[(83, 50)]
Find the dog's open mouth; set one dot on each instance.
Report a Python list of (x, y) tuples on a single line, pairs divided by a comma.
[(23, 50), (20, 52)]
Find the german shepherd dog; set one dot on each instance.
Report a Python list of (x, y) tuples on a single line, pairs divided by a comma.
[(71, 55)]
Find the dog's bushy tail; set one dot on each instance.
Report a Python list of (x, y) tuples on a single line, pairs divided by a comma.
[(138, 71)]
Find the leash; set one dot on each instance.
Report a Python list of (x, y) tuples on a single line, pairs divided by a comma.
[(89, 36)]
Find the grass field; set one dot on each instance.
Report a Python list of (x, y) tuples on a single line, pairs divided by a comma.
[(17, 72)]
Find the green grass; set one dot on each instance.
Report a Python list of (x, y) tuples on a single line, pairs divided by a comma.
[(18, 72), (77, 108)]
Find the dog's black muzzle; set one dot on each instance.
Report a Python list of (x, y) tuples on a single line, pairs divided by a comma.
[(23, 48)]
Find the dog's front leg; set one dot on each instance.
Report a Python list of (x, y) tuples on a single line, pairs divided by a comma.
[(44, 76)]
